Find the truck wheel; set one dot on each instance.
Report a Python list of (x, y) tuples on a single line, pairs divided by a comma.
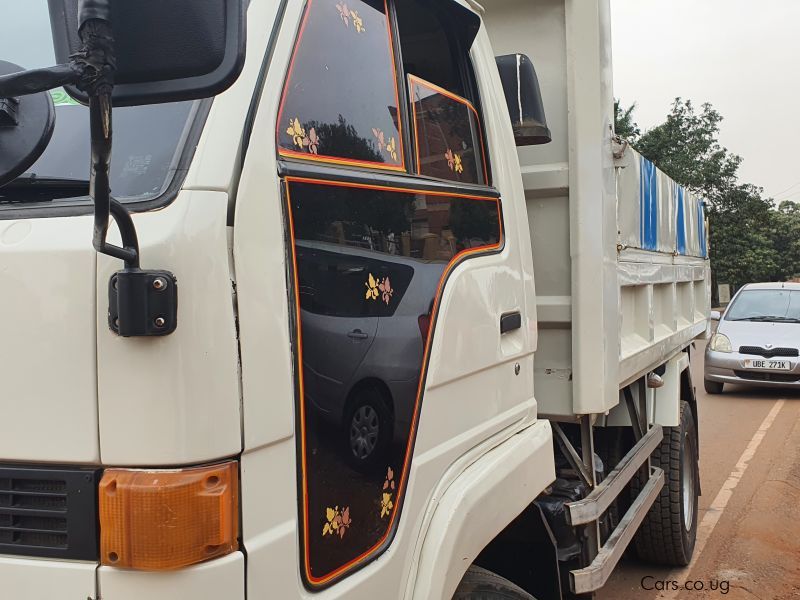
[(480, 584), (713, 387), (668, 532), (368, 430)]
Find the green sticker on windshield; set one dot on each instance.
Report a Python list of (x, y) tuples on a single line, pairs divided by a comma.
[(62, 98)]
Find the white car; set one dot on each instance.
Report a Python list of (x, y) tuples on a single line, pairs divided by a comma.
[(758, 339)]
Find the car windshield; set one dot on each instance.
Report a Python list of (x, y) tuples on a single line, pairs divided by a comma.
[(777, 305), (147, 139)]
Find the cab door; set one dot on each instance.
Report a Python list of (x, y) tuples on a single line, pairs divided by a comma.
[(378, 145)]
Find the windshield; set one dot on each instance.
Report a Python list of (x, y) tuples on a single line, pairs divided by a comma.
[(765, 305), (147, 139)]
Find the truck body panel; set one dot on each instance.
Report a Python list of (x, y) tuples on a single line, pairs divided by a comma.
[(187, 405), (49, 319), (615, 298), (37, 579)]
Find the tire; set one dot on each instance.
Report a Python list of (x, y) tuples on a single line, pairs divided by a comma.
[(667, 534), (713, 387), (368, 429), (480, 584)]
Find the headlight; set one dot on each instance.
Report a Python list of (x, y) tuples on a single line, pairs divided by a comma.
[(721, 343)]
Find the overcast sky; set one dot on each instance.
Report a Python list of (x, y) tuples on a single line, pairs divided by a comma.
[(742, 56)]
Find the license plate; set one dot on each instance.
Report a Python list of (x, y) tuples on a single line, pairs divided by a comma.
[(769, 365)]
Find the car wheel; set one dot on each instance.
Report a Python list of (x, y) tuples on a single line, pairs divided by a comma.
[(368, 429), (480, 584), (713, 387)]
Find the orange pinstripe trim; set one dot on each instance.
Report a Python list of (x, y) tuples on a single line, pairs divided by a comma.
[(414, 80), (454, 262), (333, 159)]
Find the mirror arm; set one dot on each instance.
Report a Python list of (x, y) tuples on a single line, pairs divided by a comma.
[(96, 61), (38, 80), (100, 189)]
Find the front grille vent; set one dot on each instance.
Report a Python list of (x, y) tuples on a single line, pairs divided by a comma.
[(48, 513), (768, 353), (766, 376)]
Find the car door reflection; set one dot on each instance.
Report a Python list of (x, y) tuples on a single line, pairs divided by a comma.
[(365, 317)]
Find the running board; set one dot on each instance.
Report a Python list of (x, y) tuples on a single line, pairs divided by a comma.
[(592, 507), (593, 577)]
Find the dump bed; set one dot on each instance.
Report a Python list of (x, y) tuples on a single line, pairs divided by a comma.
[(619, 249)]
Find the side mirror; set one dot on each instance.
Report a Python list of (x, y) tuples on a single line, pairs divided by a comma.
[(124, 53), (166, 50), (716, 315), (524, 99), (26, 126)]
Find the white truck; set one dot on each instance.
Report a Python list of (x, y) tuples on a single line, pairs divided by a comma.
[(429, 344)]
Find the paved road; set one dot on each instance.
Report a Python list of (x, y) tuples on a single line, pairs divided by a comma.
[(749, 532)]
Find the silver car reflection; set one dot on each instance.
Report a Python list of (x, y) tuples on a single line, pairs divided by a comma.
[(362, 360), (757, 341)]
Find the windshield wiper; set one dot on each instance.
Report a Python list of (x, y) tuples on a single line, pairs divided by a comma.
[(31, 188), (768, 319)]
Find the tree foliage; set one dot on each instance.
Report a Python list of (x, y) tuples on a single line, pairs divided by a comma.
[(750, 239), (624, 125)]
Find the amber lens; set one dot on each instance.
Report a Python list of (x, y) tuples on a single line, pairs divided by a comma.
[(161, 520)]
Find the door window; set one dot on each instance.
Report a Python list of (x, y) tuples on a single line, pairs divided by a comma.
[(340, 102), (447, 134)]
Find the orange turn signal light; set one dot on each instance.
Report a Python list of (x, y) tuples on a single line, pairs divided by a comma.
[(164, 520)]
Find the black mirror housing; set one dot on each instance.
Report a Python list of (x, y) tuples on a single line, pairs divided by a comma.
[(524, 99), (166, 50), (26, 126)]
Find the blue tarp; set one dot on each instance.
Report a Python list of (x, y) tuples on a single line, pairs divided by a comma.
[(701, 228), (649, 206), (681, 219)]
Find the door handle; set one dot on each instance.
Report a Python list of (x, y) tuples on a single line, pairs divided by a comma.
[(510, 321), (357, 334)]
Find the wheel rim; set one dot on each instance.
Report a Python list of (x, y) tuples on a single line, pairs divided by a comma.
[(687, 477), (364, 430)]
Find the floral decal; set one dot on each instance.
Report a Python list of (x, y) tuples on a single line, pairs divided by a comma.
[(345, 14), (377, 288), (312, 141), (302, 140), (454, 161), (388, 492), (357, 21), (338, 522), (390, 148), (381, 138), (296, 132)]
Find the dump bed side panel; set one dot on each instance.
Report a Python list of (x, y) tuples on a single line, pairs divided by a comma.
[(620, 264)]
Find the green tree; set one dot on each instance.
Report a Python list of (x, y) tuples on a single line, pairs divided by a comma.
[(786, 236), (687, 148), (624, 125)]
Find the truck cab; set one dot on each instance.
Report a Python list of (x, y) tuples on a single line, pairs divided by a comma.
[(344, 397)]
